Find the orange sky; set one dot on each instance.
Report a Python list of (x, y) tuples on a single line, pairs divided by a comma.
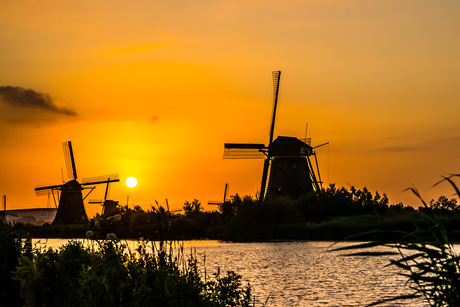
[(158, 86)]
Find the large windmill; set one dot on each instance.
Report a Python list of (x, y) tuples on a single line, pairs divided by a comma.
[(288, 170), (70, 197)]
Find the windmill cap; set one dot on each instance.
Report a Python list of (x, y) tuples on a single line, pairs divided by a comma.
[(289, 146)]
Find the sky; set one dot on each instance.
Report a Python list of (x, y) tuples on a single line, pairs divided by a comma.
[(153, 89)]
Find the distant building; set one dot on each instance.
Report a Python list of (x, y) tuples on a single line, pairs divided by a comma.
[(34, 217)]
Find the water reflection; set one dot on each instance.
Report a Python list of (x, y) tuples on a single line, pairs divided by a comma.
[(298, 273), (306, 274)]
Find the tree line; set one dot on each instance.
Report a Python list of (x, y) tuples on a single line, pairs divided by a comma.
[(333, 212)]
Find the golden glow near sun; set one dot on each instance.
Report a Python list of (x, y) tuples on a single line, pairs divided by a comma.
[(131, 182)]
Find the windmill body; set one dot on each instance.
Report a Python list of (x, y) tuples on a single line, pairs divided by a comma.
[(109, 207), (287, 169), (71, 209), (290, 172)]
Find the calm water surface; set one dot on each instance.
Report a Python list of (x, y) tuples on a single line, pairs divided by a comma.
[(300, 273)]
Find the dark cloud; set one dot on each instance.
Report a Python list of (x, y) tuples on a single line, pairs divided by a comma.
[(19, 97), (26, 106)]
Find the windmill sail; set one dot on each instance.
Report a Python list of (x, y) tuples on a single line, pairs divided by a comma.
[(265, 176), (44, 190), (276, 87), (70, 160), (267, 163), (100, 179), (244, 151)]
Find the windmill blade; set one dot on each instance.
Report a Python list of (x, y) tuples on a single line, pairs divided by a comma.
[(100, 179), (244, 151), (107, 188), (70, 160), (317, 171), (41, 191), (225, 192), (92, 189), (244, 146), (276, 86), (96, 201), (44, 192), (320, 145), (100, 182), (314, 181), (265, 177), (214, 203)]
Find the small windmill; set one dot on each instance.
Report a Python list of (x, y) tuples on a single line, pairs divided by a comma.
[(109, 207), (216, 203), (71, 209), (287, 170), (171, 211)]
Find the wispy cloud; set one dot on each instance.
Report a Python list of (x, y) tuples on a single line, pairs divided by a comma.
[(133, 49), (401, 148), (401, 144), (20, 105)]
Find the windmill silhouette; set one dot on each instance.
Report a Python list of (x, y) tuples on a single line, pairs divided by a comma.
[(216, 203), (69, 194), (109, 207), (287, 170)]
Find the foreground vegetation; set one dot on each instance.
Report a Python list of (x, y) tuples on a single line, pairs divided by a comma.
[(105, 273)]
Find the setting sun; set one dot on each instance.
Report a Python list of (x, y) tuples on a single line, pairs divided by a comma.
[(131, 182)]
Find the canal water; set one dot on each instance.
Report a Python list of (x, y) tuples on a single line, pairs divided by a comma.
[(300, 273)]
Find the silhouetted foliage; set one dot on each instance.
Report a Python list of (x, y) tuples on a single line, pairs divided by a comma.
[(334, 201), (107, 275), (12, 247), (312, 216), (192, 208), (444, 205), (333, 213)]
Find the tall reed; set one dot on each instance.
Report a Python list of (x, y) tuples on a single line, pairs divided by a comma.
[(426, 257)]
